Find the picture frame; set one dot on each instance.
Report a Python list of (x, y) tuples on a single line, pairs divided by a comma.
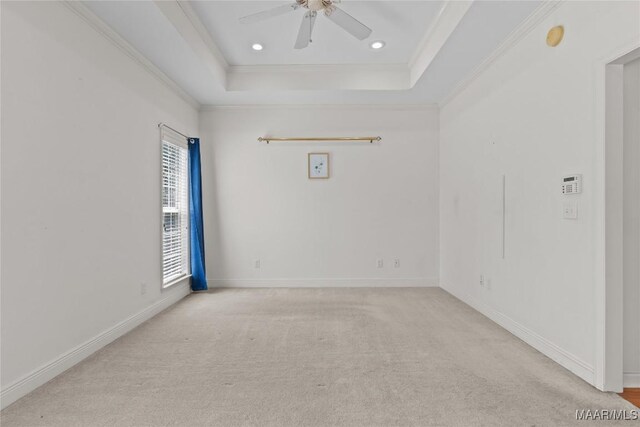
[(318, 166)]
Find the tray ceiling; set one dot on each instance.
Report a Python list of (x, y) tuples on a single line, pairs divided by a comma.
[(401, 24), (431, 46)]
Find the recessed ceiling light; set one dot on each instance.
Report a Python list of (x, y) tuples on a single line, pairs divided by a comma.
[(257, 46), (378, 44)]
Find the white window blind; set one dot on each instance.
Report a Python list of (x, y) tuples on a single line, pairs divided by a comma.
[(175, 206)]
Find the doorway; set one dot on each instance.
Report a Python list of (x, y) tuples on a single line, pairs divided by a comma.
[(620, 358), (631, 224)]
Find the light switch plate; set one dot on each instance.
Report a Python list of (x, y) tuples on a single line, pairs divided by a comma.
[(570, 210)]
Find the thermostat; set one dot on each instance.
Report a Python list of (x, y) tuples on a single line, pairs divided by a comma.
[(572, 184)]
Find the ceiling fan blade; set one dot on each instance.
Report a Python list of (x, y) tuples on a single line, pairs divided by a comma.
[(350, 24), (306, 28), (266, 14)]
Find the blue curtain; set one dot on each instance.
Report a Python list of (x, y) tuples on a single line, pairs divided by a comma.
[(198, 271)]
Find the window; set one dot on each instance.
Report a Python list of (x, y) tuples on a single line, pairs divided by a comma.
[(175, 207)]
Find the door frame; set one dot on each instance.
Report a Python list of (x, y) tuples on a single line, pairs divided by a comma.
[(608, 369)]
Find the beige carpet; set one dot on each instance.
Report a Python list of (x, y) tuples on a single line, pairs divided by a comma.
[(314, 357)]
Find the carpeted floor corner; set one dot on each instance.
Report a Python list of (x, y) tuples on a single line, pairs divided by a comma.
[(314, 357)]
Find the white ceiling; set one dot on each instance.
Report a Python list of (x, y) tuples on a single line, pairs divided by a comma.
[(401, 24), (206, 52)]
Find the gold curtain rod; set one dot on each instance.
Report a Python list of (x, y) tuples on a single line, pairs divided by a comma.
[(336, 138)]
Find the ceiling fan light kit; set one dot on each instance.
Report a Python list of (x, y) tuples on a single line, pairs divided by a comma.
[(336, 15)]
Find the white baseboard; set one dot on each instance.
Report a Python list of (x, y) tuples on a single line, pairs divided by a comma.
[(631, 380), (326, 283), (544, 346), (54, 368)]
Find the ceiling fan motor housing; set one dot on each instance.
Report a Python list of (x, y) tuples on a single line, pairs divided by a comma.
[(328, 7), (315, 5)]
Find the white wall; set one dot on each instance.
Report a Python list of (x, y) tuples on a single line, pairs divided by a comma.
[(631, 223), (381, 201), (531, 116), (80, 189)]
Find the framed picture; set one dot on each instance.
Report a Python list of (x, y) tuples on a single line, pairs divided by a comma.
[(318, 165)]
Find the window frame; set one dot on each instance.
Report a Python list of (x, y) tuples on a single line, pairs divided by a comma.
[(168, 136)]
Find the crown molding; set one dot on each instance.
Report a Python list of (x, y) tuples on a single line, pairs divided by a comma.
[(425, 37), (385, 107), (118, 41), (189, 27), (443, 26), (319, 68), (203, 32), (318, 77), (535, 18)]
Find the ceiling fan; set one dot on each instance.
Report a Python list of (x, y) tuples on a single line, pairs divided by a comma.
[(330, 10)]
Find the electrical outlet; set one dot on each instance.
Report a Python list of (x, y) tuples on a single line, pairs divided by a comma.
[(482, 280), (380, 263), (143, 288), (396, 263), (256, 264)]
